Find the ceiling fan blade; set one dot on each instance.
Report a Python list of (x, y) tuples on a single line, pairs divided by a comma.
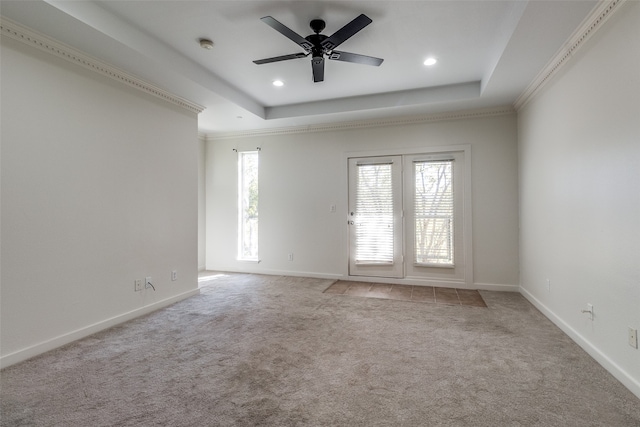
[(355, 57), (317, 66), (287, 32), (345, 32), (280, 58)]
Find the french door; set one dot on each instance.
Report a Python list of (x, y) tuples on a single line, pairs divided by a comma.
[(406, 217), (375, 217)]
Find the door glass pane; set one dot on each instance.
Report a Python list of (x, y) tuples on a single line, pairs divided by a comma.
[(434, 213), (374, 218)]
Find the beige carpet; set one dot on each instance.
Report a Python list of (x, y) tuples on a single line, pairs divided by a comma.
[(256, 350)]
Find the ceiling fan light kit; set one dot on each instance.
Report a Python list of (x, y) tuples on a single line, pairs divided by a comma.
[(320, 46)]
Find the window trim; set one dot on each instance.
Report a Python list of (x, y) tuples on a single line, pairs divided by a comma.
[(240, 193), (435, 159), (365, 164)]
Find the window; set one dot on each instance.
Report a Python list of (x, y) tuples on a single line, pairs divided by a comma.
[(248, 205), (374, 205), (433, 212)]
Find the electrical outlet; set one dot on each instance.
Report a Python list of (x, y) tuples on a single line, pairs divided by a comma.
[(589, 311), (137, 285), (174, 275), (633, 337), (147, 282), (548, 285), (290, 257)]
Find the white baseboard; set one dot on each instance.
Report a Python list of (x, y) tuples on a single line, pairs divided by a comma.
[(496, 287), (43, 347), (310, 274), (620, 374)]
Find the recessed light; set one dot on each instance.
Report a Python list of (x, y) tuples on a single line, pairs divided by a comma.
[(206, 44), (278, 83), (430, 61)]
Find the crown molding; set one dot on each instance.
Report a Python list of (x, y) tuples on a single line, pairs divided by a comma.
[(18, 32), (361, 124), (600, 14)]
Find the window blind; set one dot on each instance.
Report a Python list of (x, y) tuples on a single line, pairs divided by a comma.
[(433, 211), (374, 214)]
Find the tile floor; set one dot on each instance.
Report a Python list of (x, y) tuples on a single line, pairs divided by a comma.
[(428, 294)]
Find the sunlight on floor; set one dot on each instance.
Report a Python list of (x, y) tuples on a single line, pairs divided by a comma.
[(204, 277)]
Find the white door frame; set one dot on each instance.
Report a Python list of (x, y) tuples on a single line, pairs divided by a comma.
[(467, 280)]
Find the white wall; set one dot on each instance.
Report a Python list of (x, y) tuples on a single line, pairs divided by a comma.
[(99, 187), (579, 168), (302, 175)]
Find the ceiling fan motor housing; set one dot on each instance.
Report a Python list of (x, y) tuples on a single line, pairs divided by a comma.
[(316, 41), (317, 25)]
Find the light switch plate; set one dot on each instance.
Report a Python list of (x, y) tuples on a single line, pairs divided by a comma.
[(633, 337)]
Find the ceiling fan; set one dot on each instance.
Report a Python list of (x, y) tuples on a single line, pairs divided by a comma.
[(319, 45)]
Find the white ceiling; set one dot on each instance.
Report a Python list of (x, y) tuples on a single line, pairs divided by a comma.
[(488, 52)]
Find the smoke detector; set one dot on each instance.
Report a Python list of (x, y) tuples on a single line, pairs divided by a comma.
[(206, 44)]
